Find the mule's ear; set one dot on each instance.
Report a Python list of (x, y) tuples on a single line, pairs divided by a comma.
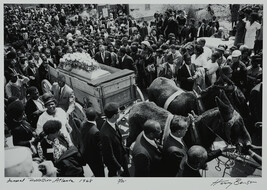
[(220, 103), (224, 98), (226, 111)]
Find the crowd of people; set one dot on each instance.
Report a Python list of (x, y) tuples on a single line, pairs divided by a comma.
[(168, 46)]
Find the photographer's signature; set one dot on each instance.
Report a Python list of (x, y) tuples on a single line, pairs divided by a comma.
[(228, 183)]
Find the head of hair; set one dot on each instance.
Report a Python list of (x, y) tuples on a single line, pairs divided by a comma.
[(202, 41), (90, 114), (199, 49), (111, 109), (123, 50), (31, 90), (51, 127), (176, 124), (150, 126), (197, 156), (61, 78)]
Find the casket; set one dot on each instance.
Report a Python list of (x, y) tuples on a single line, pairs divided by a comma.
[(118, 86)]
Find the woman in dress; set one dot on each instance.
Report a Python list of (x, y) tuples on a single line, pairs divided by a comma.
[(252, 26)]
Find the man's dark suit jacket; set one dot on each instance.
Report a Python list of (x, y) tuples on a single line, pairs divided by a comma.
[(183, 74), (92, 148), (31, 107), (36, 82), (174, 156), (146, 158), (22, 133), (107, 58), (127, 63), (114, 153)]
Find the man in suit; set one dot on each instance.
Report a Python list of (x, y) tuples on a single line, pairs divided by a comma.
[(92, 49), (126, 62), (91, 150), (168, 69), (146, 152), (114, 152), (34, 76), (174, 150), (103, 56), (186, 74), (34, 106), (62, 93)]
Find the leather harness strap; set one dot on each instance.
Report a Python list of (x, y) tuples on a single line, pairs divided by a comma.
[(172, 97), (167, 127)]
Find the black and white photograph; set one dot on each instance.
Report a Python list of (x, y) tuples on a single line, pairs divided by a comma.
[(133, 91)]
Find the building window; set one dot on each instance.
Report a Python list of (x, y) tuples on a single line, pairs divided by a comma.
[(147, 7)]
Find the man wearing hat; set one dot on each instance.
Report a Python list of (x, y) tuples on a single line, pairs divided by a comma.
[(114, 152), (239, 76)]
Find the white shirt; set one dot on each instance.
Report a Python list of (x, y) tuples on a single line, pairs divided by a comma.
[(177, 139), (187, 66), (93, 122), (123, 58), (199, 61), (150, 141), (207, 52), (112, 125), (60, 115)]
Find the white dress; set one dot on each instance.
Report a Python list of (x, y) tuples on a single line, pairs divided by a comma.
[(60, 115), (251, 33)]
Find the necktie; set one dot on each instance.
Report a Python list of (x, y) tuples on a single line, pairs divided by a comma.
[(59, 93), (103, 57)]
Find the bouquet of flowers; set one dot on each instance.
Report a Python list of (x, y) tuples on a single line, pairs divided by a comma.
[(78, 60)]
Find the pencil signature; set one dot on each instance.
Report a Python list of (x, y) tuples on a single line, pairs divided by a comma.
[(228, 183)]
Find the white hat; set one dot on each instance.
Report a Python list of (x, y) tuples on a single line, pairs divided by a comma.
[(236, 53), (146, 43), (18, 163)]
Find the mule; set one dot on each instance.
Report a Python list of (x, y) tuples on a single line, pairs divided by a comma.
[(181, 103), (143, 111)]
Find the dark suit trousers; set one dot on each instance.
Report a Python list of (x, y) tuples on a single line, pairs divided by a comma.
[(125, 173)]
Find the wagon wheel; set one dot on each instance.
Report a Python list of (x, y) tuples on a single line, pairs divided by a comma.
[(139, 92)]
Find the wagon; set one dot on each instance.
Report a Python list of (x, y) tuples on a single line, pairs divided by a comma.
[(119, 86)]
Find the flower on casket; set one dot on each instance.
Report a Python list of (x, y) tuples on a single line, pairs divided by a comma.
[(79, 60)]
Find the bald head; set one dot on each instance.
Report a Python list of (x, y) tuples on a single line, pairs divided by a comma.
[(197, 156)]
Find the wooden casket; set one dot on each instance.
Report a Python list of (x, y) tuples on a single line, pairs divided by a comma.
[(118, 86)]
